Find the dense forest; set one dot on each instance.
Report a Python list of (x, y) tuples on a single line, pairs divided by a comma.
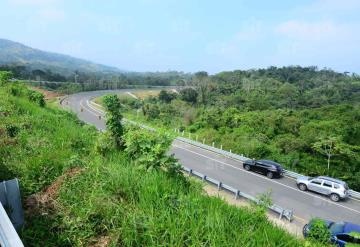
[(87, 81), (304, 118)]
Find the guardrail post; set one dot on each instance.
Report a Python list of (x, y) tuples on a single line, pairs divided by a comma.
[(190, 172), (213, 144), (281, 214), (219, 185), (221, 146), (203, 178), (204, 141), (230, 150), (237, 193)]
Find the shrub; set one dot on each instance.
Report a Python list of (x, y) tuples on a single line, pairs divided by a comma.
[(12, 130), (5, 76), (149, 149), (114, 117), (319, 232), (105, 144), (189, 95), (36, 97)]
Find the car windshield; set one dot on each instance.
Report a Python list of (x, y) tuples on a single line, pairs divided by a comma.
[(337, 227)]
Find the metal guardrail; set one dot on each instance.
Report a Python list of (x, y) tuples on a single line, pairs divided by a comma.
[(214, 149), (8, 234), (14, 217), (354, 194), (242, 158), (10, 198), (288, 214)]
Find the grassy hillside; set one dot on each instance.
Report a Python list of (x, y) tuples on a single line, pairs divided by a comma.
[(77, 196)]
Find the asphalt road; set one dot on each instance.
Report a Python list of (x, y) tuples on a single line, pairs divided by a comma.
[(284, 192)]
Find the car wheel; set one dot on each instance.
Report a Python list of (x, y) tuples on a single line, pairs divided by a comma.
[(302, 187), (305, 230), (247, 167), (335, 197), (270, 175)]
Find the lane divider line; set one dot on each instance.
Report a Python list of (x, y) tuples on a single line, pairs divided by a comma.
[(237, 160), (237, 168)]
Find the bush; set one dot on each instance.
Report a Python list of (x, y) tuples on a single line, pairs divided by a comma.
[(319, 232), (149, 149), (12, 130), (36, 97), (105, 144), (189, 95), (5, 76), (114, 118)]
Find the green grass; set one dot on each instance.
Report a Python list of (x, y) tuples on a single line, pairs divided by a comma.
[(111, 197)]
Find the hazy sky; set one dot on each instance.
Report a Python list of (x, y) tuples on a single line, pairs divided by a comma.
[(191, 35)]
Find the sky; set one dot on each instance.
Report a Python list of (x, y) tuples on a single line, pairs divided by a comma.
[(191, 35)]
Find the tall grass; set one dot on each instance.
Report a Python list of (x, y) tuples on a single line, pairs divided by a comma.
[(111, 197)]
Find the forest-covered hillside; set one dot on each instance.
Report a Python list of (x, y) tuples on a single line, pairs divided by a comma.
[(305, 118)]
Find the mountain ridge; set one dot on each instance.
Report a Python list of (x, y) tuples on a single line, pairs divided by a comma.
[(15, 53)]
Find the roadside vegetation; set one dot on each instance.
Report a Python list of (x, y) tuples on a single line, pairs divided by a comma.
[(80, 188), (304, 118)]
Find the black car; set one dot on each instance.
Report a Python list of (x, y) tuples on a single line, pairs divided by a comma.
[(267, 167)]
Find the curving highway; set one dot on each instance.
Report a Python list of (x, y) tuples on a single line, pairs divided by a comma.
[(284, 192)]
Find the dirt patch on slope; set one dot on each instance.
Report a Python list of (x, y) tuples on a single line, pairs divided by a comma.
[(103, 241), (44, 201), (48, 94)]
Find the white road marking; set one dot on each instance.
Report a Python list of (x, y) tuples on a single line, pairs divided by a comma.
[(237, 160), (132, 95), (254, 174), (87, 109), (93, 108)]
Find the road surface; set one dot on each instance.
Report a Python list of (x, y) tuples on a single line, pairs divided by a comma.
[(284, 192)]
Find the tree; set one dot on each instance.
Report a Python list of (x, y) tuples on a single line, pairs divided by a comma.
[(166, 97), (5, 76), (153, 111), (113, 118), (331, 146), (202, 82), (189, 95)]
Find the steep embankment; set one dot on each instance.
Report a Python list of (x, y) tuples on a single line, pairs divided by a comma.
[(77, 195)]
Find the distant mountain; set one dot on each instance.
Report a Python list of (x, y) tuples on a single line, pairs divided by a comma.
[(13, 53)]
